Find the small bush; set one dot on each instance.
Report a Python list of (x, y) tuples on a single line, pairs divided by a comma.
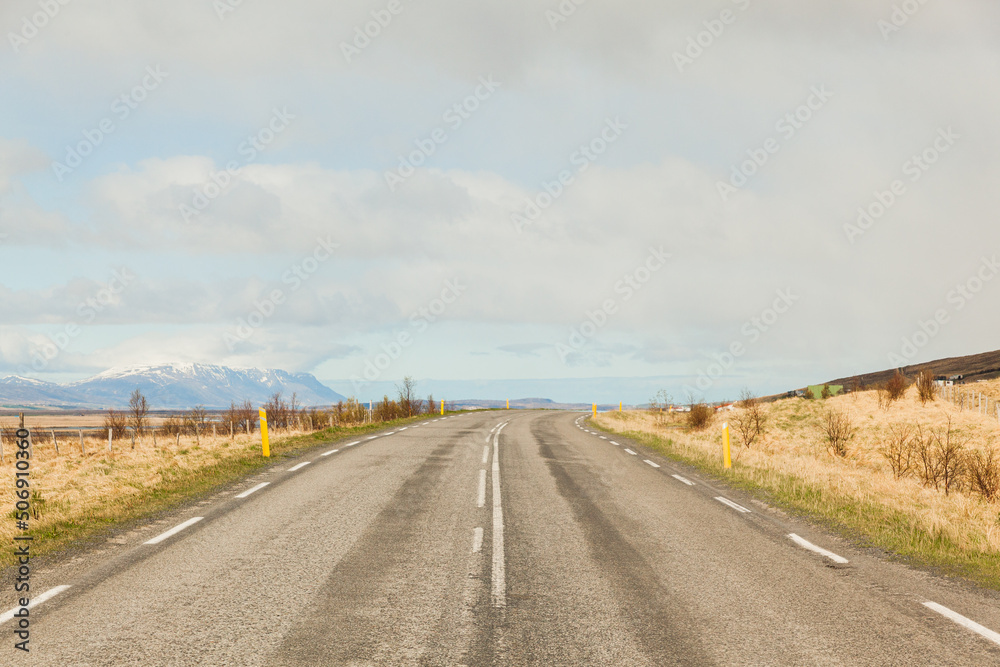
[(750, 421), (983, 469), (896, 386), (826, 392), (839, 431), (807, 394), (898, 449), (699, 417), (926, 389), (117, 422)]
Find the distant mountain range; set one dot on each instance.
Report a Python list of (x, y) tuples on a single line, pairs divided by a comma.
[(168, 387)]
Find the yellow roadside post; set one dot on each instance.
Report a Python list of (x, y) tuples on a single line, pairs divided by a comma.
[(619, 406), (442, 407), (508, 404), (727, 460), (595, 409), (263, 433)]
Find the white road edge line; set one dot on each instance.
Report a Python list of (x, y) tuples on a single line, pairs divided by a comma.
[(373, 437), (499, 558), (332, 451), (351, 444), (806, 544), (299, 466), (730, 503), (253, 490), (964, 622), (486, 455), (683, 480), (477, 540), (655, 465), (631, 452), (47, 595), (481, 494), (402, 429), (614, 443), (176, 529)]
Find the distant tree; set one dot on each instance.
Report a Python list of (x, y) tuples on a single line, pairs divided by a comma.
[(117, 422), (407, 396), (807, 394), (430, 404), (750, 421), (138, 408), (826, 392)]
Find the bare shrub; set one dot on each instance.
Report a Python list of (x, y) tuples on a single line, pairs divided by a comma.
[(983, 470), (882, 397), (826, 393), (699, 417), (896, 386), (926, 389), (898, 449), (408, 402), (951, 455), (807, 394), (117, 422), (839, 431), (928, 464), (750, 421)]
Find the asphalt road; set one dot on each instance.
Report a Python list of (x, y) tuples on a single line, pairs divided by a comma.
[(494, 538)]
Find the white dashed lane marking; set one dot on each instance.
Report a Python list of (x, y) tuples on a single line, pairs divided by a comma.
[(968, 623), (332, 451), (299, 466), (729, 503), (176, 529), (683, 480), (631, 452), (805, 544), (648, 462), (253, 490), (35, 601)]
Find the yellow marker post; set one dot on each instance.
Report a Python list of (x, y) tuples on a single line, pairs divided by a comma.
[(619, 406), (595, 409), (727, 459), (442, 407), (508, 404), (263, 433)]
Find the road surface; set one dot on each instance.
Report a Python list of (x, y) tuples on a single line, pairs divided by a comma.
[(494, 538)]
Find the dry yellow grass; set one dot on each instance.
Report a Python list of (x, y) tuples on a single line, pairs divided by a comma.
[(794, 452)]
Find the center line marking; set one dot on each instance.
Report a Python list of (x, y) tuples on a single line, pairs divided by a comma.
[(964, 622), (481, 495), (499, 559), (683, 480), (176, 529), (332, 451), (655, 465), (253, 490), (730, 503), (486, 455), (35, 601), (299, 466), (806, 544), (477, 540), (630, 452)]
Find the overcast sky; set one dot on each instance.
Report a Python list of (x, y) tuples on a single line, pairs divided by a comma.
[(268, 185)]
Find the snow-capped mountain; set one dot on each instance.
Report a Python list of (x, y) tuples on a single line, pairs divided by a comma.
[(174, 386)]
